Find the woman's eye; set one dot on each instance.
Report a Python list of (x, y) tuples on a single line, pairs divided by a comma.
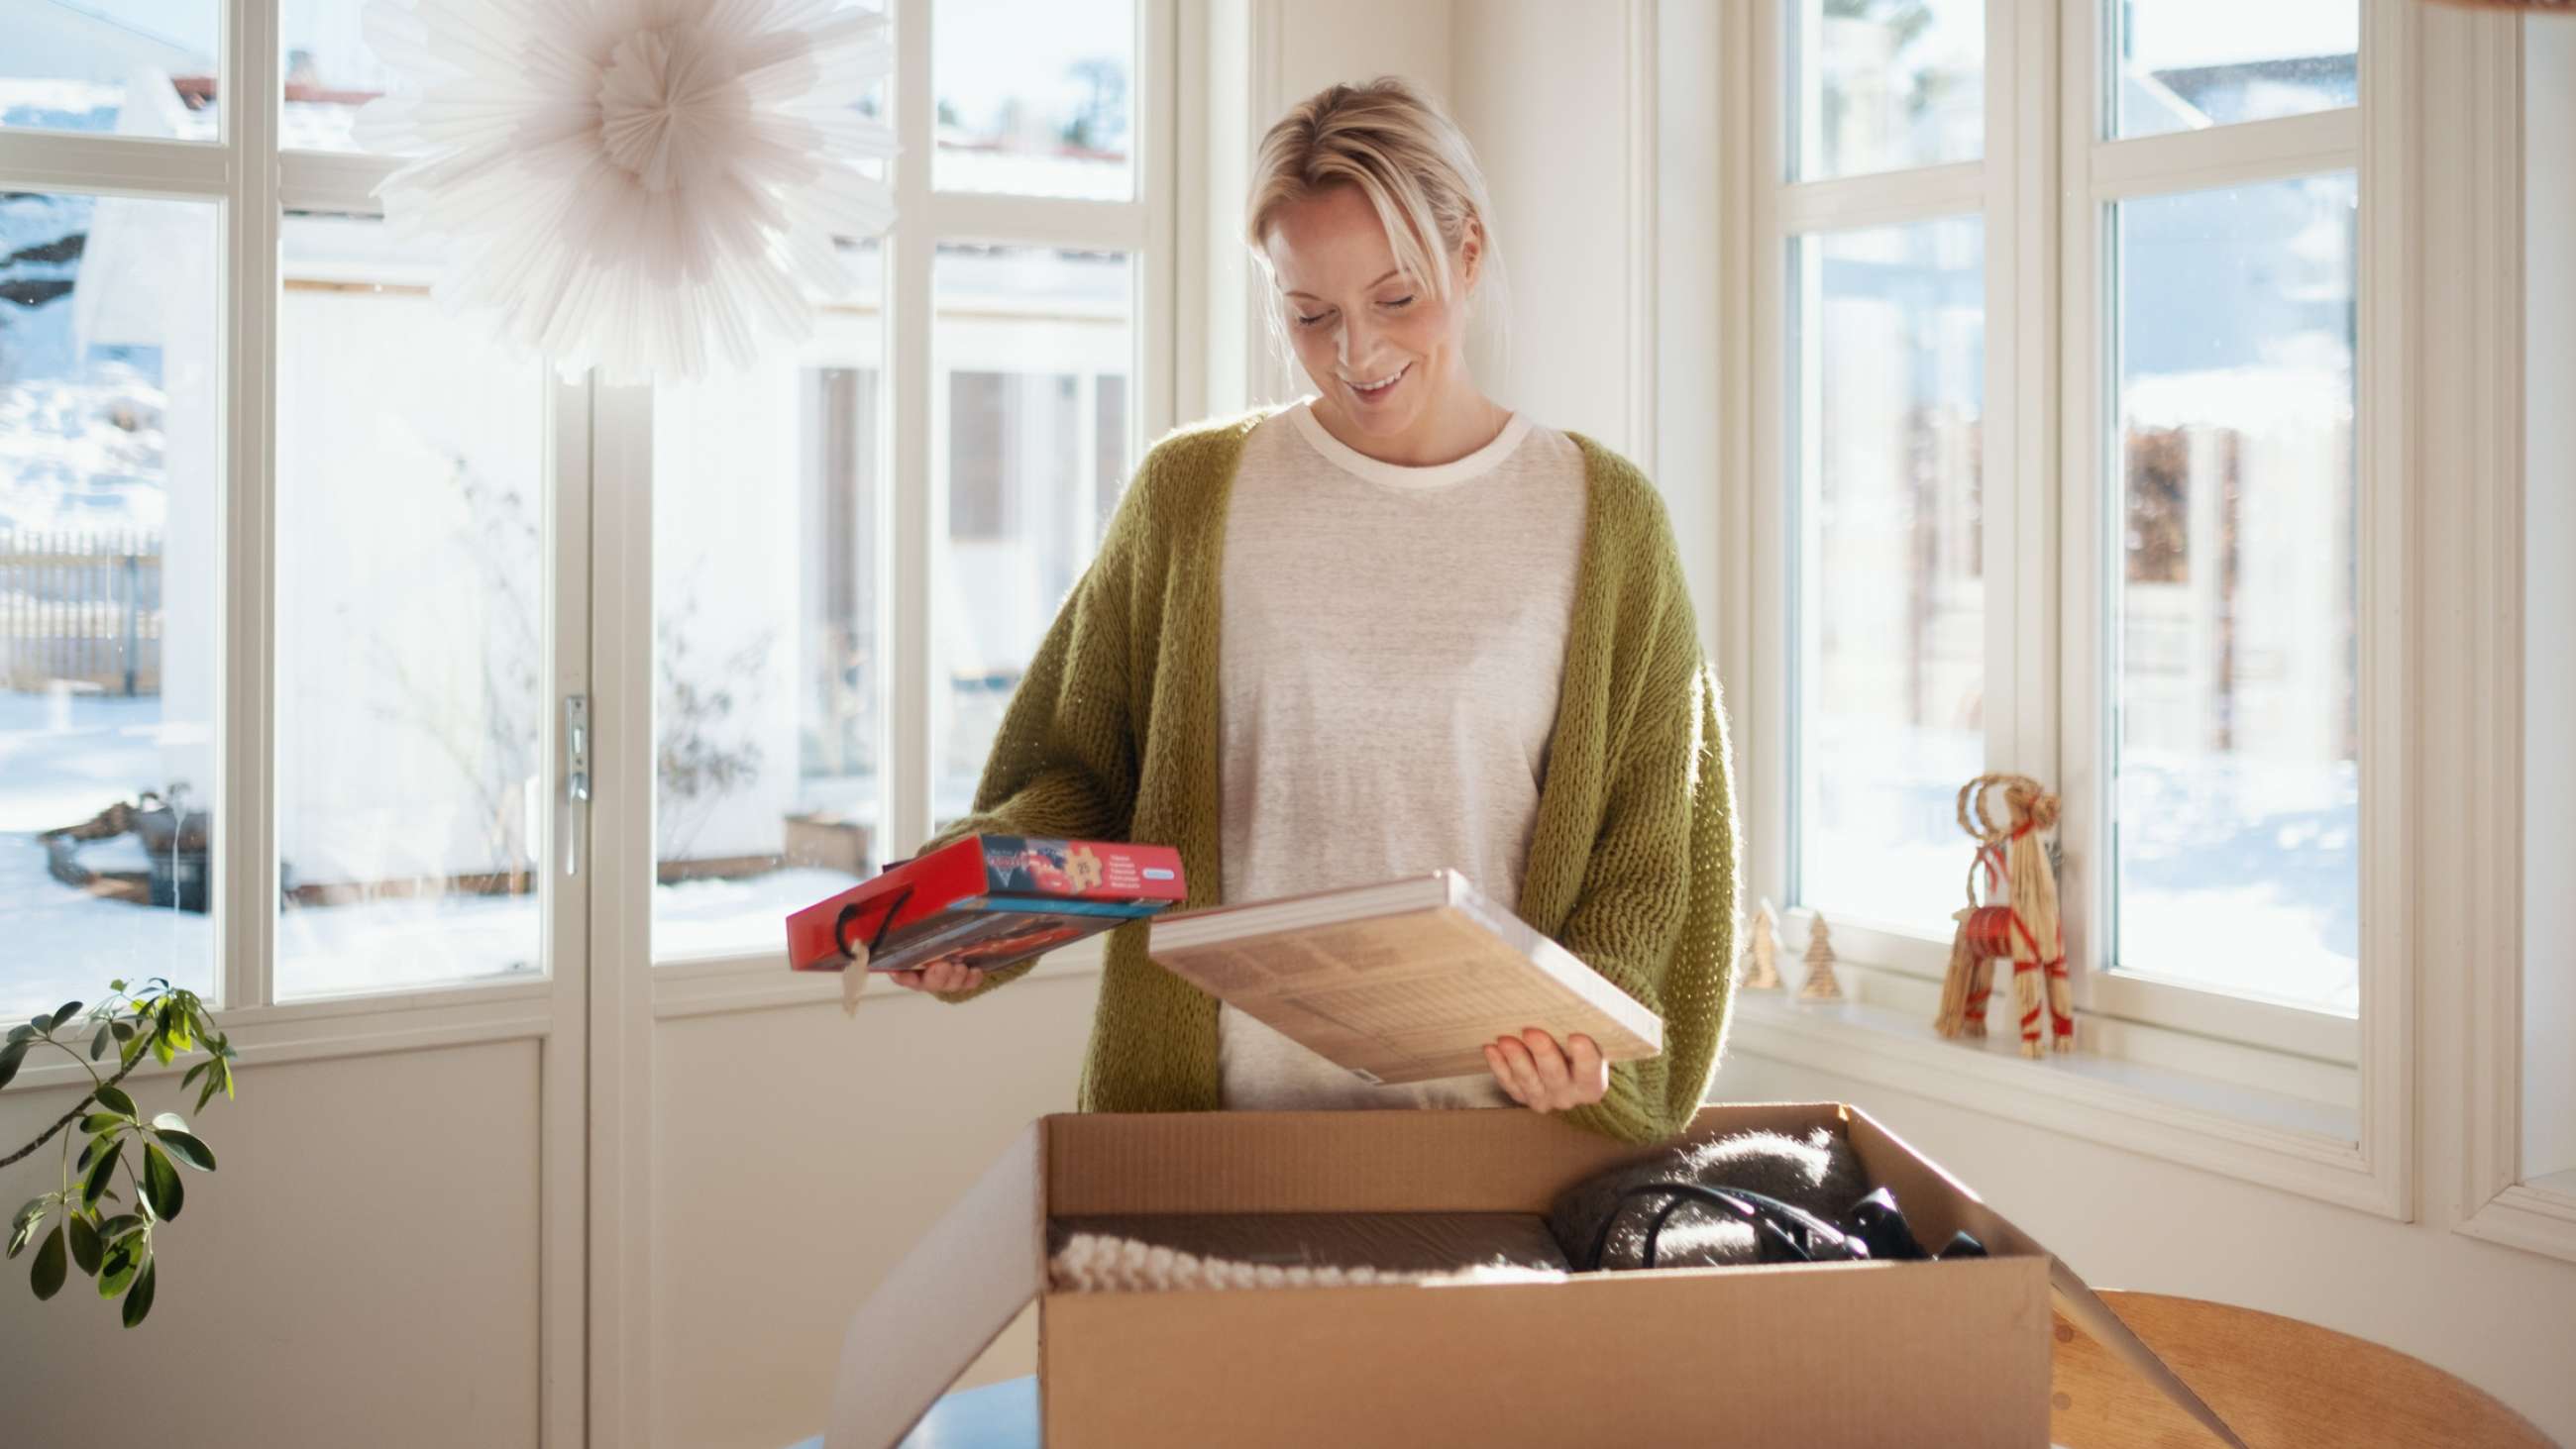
[(1397, 304), (1311, 321)]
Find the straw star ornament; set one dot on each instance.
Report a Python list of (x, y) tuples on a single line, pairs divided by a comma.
[(640, 186)]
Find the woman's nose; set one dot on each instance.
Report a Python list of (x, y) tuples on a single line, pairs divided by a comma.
[(1355, 343)]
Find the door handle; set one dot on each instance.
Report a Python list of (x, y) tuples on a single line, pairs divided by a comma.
[(576, 745)]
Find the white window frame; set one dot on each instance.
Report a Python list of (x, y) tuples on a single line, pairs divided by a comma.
[(916, 406), (2303, 1100), (2475, 393)]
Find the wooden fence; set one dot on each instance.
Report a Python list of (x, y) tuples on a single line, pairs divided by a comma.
[(82, 607)]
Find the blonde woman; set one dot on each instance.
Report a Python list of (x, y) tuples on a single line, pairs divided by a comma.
[(1392, 627)]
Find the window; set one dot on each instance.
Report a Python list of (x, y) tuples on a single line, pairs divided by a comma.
[(1028, 339), (857, 548), (112, 500), (2149, 590), (283, 706), (130, 69), (1890, 595), (413, 712)]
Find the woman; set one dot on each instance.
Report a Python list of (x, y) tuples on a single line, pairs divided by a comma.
[(1391, 628)]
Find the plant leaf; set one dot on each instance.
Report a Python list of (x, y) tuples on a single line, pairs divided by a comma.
[(25, 1230), (161, 1184), (125, 1257), (115, 1100), (98, 1122), (86, 1247), (32, 1208), (99, 1172), (48, 1274), (195, 1072), (118, 1226), (10, 1055), (139, 1301), (124, 1029), (66, 1012), (189, 1149), (170, 1122)]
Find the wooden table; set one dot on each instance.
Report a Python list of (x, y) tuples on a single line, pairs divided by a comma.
[(2281, 1383)]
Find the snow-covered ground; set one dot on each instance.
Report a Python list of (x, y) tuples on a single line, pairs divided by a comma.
[(64, 759)]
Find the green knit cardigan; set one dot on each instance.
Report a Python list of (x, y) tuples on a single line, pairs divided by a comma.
[(1112, 735)]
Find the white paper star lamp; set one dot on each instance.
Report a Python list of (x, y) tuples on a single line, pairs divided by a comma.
[(640, 186)]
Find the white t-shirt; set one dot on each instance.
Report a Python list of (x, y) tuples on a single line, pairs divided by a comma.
[(1392, 644)]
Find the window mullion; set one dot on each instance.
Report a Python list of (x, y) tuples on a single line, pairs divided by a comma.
[(245, 825), (908, 554), (2023, 233)]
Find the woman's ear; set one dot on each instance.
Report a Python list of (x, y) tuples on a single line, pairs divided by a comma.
[(1471, 255)]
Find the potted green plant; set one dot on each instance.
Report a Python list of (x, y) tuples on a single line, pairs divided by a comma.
[(85, 1221)]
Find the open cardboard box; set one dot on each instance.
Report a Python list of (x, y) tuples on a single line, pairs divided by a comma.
[(1952, 1353)]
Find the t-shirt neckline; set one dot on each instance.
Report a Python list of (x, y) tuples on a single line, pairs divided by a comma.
[(1398, 475)]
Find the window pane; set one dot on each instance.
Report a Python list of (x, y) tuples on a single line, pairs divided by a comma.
[(111, 516), (328, 73), (414, 714), (132, 67), (1890, 574), (1034, 97), (2237, 721), (2186, 64), (768, 662), (1879, 85), (1024, 340)]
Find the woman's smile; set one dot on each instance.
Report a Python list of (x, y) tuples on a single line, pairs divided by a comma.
[(1375, 392)]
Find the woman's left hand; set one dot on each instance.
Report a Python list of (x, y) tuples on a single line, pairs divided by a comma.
[(1544, 1077)]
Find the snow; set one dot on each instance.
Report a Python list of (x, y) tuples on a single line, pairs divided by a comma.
[(63, 758)]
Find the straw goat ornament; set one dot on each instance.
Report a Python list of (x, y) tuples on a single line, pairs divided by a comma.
[(2022, 925)]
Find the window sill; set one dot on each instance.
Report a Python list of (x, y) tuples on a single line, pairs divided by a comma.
[(2273, 1138)]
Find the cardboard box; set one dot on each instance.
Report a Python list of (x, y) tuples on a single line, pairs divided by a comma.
[(1951, 1353)]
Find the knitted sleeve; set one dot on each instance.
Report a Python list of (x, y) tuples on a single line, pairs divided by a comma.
[(1656, 909), (1064, 762)]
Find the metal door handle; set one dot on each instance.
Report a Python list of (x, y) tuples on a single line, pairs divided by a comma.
[(576, 815)]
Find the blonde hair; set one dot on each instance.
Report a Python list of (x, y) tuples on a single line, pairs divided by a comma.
[(1403, 153)]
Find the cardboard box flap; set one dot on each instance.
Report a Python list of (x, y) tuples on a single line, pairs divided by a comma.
[(1893, 1163), (945, 1303), (2085, 1309)]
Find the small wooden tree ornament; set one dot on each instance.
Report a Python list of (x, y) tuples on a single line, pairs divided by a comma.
[(1762, 952), (1820, 984)]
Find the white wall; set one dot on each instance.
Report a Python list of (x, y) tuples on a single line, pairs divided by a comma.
[(1540, 88), (2499, 1317), (362, 1268), (797, 1155)]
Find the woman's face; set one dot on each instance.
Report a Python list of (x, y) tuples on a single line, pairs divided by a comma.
[(1384, 352)]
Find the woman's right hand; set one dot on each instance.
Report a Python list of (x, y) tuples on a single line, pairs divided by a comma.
[(945, 975)]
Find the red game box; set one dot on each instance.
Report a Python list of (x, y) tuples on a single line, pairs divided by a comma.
[(986, 901)]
